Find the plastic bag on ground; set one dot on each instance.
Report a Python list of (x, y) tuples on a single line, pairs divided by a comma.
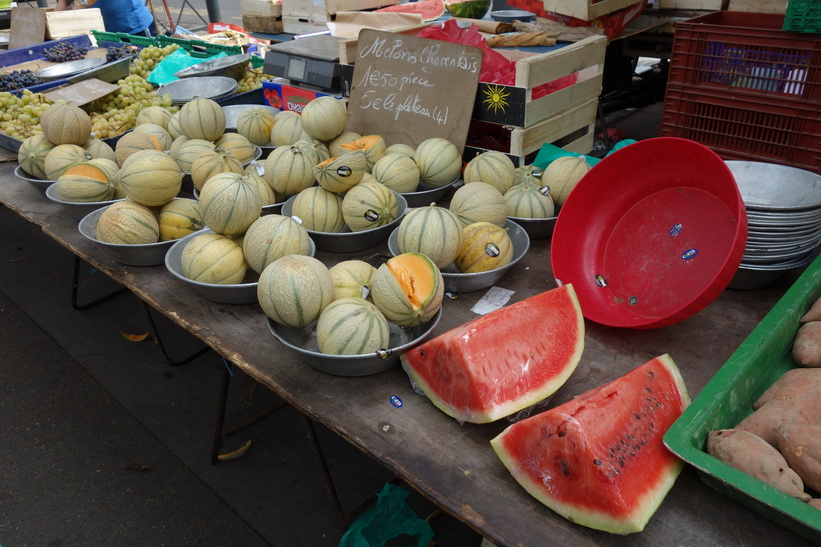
[(389, 519)]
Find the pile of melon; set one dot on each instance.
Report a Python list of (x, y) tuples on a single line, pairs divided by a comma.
[(353, 304), (537, 193)]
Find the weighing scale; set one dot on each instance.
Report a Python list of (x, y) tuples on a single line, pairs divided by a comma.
[(312, 60)]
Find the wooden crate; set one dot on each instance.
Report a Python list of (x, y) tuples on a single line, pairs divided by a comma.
[(758, 6), (302, 16), (704, 5), (60, 24), (586, 9), (261, 16)]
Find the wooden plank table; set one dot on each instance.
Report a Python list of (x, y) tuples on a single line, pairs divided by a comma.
[(452, 464)]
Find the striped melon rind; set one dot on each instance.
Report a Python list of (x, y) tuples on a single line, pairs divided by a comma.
[(127, 223), (255, 124), (439, 161), (287, 129), (32, 155), (479, 202), (408, 289), (369, 205), (352, 279), (271, 237), (289, 170), (324, 118), (352, 326), (59, 158), (151, 177), (485, 247), (562, 175), (229, 203), (158, 132), (214, 259), (178, 218), (213, 162), (84, 182), (529, 201), (492, 167), (433, 231), (398, 172), (294, 289), (202, 118), (340, 174), (319, 210), (238, 146)]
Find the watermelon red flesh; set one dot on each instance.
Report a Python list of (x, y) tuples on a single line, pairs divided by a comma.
[(599, 460), (430, 10), (504, 361)]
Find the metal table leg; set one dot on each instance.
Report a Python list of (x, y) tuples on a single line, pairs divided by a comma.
[(75, 290)]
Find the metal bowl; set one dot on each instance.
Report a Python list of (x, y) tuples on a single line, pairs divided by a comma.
[(348, 241), (206, 87), (78, 209), (238, 293), (40, 184), (232, 112), (468, 282), (303, 341), (536, 228), (231, 66), (425, 195), (773, 187), (70, 68), (510, 15), (150, 254)]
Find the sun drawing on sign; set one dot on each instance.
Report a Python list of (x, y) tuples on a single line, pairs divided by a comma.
[(496, 98)]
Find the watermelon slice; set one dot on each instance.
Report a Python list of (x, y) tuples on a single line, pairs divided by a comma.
[(504, 361), (469, 9), (599, 460), (430, 10)]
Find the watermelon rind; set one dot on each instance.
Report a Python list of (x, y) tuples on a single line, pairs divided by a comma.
[(598, 485), (468, 9), (503, 362), (430, 10)]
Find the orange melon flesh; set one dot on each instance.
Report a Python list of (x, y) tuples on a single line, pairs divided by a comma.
[(362, 143), (87, 170), (414, 274), (599, 460), (504, 361)]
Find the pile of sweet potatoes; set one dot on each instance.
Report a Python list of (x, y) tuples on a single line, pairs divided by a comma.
[(780, 442)]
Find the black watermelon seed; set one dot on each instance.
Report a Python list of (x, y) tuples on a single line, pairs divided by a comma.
[(596, 462)]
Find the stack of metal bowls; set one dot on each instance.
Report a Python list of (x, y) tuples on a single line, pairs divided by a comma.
[(783, 206), (207, 87)]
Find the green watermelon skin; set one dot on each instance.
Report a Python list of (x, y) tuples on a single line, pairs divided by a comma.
[(599, 460), (469, 9), (504, 361)]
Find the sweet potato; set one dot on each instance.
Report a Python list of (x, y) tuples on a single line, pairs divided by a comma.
[(765, 421), (806, 349), (754, 456), (795, 383), (801, 447), (815, 502), (813, 314)]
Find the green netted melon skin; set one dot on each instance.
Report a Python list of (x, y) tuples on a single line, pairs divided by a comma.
[(599, 459)]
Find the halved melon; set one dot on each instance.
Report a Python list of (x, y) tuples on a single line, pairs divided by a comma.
[(408, 289), (599, 460), (501, 362)]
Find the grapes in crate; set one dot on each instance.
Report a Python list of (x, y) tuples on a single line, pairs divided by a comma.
[(65, 51), (115, 53), (18, 80)]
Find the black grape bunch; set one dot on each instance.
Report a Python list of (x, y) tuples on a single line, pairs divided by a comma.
[(17, 80), (65, 51), (115, 53)]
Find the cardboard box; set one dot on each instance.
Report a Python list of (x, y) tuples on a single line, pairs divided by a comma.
[(261, 16), (586, 10), (758, 6), (303, 16), (280, 93)]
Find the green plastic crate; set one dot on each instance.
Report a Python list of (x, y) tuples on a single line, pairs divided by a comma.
[(728, 398), (803, 16), (200, 48), (121, 37)]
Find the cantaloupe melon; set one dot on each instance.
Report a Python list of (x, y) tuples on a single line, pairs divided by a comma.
[(127, 223), (433, 231), (340, 174), (59, 158), (314, 148), (229, 203), (173, 126), (158, 115), (319, 210), (493, 168), (293, 290), (439, 161), (529, 201), (213, 162), (189, 151), (287, 129), (178, 218), (562, 175), (324, 118), (266, 193), (529, 174), (398, 172), (271, 237), (289, 170), (238, 146), (214, 259), (32, 155), (202, 118), (373, 146), (134, 142), (485, 247), (352, 326), (369, 205), (255, 124), (158, 132), (408, 289), (352, 279), (479, 201), (62, 123), (403, 149), (99, 149), (84, 182), (335, 146), (151, 177)]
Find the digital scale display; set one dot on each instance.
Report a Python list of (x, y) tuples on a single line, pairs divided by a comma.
[(296, 69)]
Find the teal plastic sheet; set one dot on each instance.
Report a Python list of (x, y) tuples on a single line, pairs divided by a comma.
[(164, 72), (549, 152), (391, 518)]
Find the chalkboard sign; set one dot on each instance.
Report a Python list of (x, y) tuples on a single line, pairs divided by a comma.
[(408, 89)]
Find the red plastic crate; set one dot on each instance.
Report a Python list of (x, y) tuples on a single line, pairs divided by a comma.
[(746, 54), (742, 128)]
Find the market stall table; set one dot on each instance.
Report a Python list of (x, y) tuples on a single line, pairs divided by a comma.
[(453, 464)]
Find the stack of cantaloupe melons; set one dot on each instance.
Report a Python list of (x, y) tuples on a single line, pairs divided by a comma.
[(538, 194)]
